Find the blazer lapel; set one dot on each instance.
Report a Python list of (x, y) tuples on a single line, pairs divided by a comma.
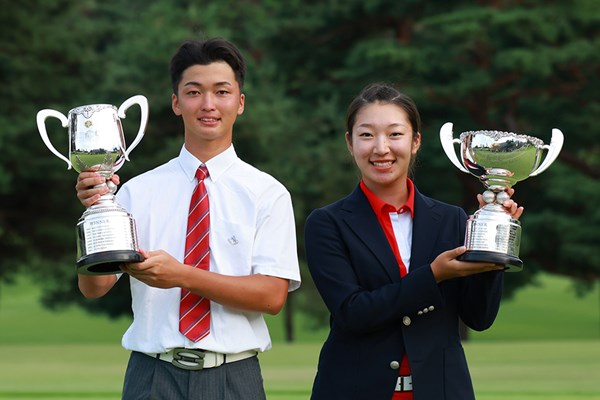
[(425, 230), (363, 222)]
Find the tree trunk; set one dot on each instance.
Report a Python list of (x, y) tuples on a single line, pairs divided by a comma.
[(289, 320)]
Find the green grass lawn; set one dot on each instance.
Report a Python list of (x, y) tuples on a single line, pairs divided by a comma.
[(548, 311), (544, 345), (551, 370)]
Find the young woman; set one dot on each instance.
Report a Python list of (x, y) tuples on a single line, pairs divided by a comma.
[(384, 260)]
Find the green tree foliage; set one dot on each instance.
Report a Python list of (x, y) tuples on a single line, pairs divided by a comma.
[(522, 66), (43, 64)]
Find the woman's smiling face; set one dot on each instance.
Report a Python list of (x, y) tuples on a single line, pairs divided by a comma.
[(382, 144)]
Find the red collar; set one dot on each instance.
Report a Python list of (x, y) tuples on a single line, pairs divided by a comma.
[(380, 206)]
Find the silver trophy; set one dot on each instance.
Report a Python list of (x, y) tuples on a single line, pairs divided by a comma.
[(106, 233), (499, 160)]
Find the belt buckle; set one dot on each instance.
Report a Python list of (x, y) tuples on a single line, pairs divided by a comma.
[(190, 359)]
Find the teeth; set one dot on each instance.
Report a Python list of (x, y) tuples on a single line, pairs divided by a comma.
[(382, 164), (208, 119)]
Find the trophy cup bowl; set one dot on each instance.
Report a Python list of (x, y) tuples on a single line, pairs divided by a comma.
[(499, 160), (106, 234)]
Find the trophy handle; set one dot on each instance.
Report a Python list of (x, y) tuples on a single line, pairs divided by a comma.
[(143, 103), (448, 142), (556, 143), (41, 123)]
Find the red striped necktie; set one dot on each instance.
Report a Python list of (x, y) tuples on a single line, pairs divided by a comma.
[(194, 310)]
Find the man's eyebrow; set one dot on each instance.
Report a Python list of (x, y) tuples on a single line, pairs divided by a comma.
[(198, 84), (192, 83)]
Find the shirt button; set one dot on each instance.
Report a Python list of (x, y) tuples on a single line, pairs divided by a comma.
[(431, 308), (394, 365), (406, 321)]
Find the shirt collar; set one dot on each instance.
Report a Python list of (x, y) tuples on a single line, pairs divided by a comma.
[(381, 206), (216, 165)]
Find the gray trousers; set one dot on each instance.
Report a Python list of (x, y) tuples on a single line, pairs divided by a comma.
[(148, 378)]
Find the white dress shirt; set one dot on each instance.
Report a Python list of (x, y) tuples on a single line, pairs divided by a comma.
[(402, 224), (252, 231)]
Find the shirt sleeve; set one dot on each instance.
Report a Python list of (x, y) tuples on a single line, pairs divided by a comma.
[(274, 251)]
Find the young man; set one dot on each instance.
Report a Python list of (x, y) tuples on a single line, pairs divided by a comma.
[(252, 258)]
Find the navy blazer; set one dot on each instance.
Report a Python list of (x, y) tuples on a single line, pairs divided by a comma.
[(376, 316)]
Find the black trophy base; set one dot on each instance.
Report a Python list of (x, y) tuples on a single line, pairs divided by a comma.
[(511, 263), (107, 262)]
